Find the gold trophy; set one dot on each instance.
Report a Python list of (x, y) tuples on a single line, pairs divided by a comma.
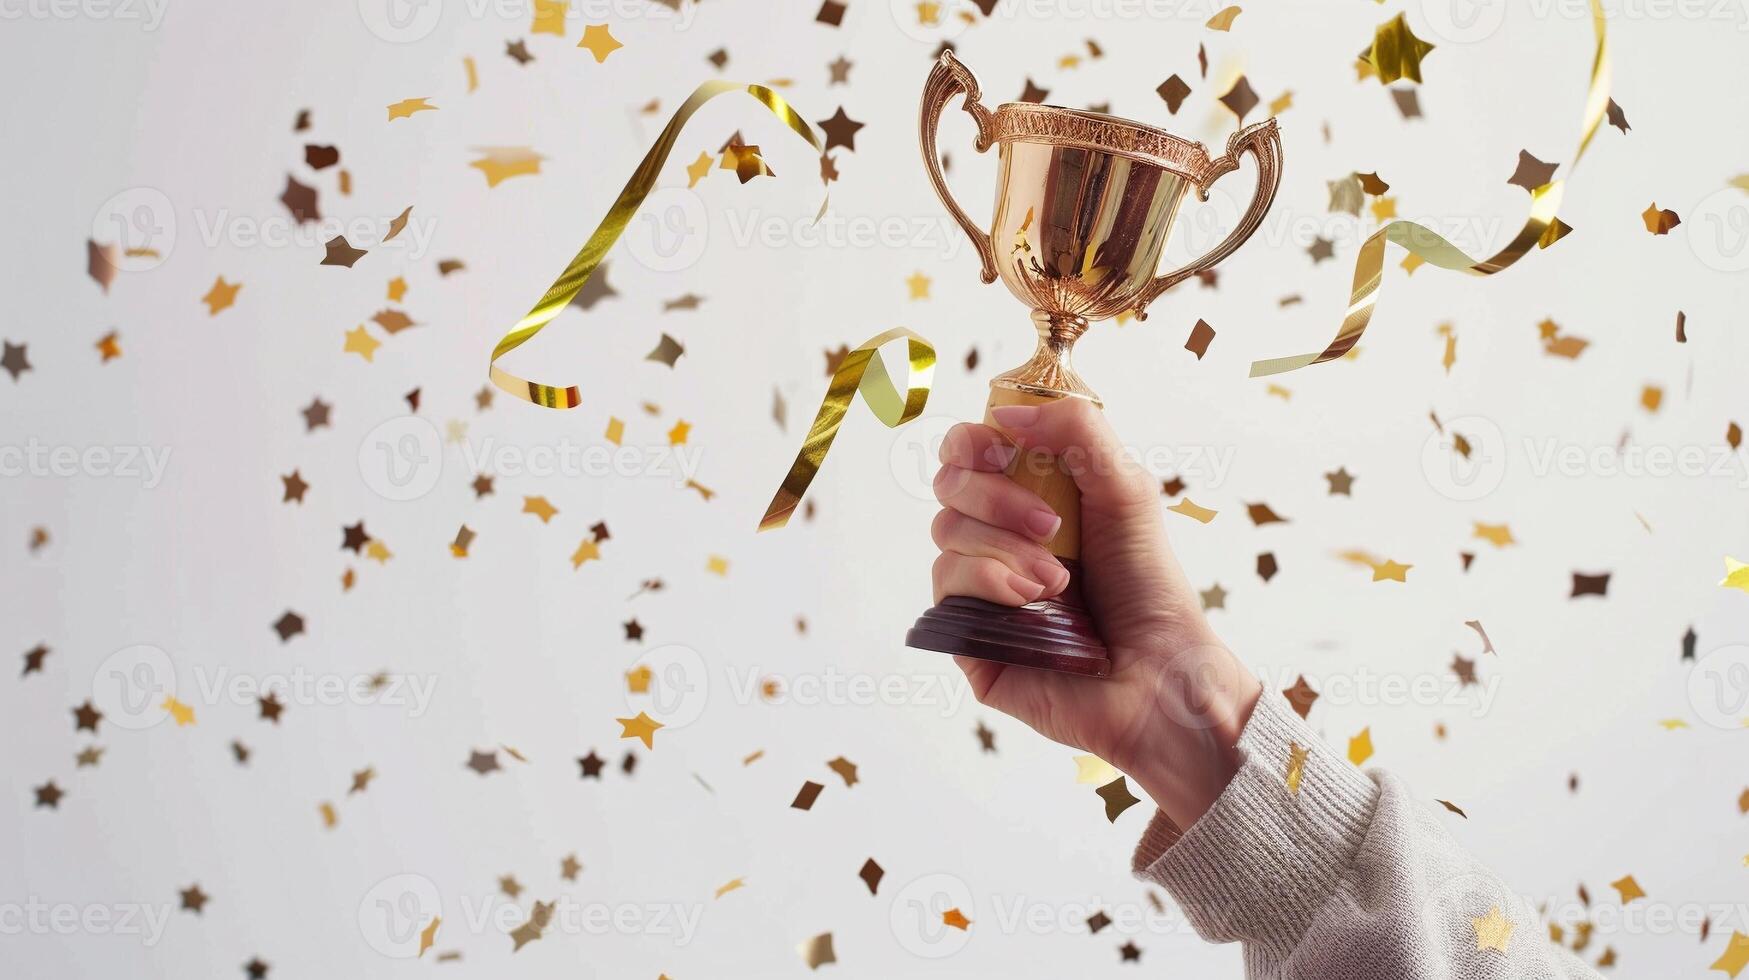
[(1084, 205)]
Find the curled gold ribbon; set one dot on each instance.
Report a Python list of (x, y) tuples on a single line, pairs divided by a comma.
[(631, 197), (1541, 229), (860, 371)]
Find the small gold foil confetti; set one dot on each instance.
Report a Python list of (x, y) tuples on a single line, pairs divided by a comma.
[(1296, 767)]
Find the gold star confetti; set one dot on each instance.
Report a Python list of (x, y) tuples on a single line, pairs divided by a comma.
[(1296, 767), (643, 728), (1659, 222), (717, 565), (183, 714), (599, 41), (407, 107), (549, 17), (955, 919), (677, 435), (845, 769), (500, 163), (1492, 931), (360, 342), (588, 550), (1396, 52), (918, 284), (1628, 888), (539, 507), (1091, 770), (221, 296), (698, 170), (1498, 535), (1736, 575), (1360, 746)]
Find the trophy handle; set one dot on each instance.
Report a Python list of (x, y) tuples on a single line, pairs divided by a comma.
[(1262, 140), (947, 79)]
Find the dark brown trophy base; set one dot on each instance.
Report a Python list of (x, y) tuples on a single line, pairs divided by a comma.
[(1050, 634)]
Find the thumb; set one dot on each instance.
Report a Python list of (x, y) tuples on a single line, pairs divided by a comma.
[(1075, 431)]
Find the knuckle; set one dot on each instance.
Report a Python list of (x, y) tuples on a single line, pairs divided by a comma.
[(951, 483), (956, 445), (943, 530)]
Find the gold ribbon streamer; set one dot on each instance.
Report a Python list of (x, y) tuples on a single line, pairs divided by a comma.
[(860, 371), (625, 207), (1542, 229)]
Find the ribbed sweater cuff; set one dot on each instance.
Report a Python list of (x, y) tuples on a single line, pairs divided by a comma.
[(1262, 861)]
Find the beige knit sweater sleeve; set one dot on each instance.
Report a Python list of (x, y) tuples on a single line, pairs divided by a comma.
[(1348, 878)]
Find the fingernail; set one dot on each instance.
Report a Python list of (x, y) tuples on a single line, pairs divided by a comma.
[(1028, 589), (1042, 524), (1015, 416), (1052, 573)]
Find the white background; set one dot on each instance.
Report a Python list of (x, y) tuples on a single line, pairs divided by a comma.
[(196, 105)]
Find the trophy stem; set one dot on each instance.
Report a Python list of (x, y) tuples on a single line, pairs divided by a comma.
[(1048, 373)]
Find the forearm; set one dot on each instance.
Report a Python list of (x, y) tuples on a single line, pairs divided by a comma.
[(1320, 871)]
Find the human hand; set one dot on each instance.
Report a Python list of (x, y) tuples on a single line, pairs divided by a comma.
[(1172, 709)]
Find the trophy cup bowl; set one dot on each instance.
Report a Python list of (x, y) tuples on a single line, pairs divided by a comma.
[(1084, 207)]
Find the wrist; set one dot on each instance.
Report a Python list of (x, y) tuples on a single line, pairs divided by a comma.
[(1185, 748)]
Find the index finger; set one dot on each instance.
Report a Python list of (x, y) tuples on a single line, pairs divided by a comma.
[(972, 446)]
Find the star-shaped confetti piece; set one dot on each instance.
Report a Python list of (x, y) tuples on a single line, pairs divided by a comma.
[(1396, 52), (1492, 931), (1241, 99), (699, 169), (1736, 575), (599, 41), (1628, 888), (918, 285), (341, 253), (221, 296), (643, 728), (840, 130), (14, 359), (407, 107), (360, 342), (1659, 221), (500, 163), (1117, 797), (183, 714), (1360, 746)]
